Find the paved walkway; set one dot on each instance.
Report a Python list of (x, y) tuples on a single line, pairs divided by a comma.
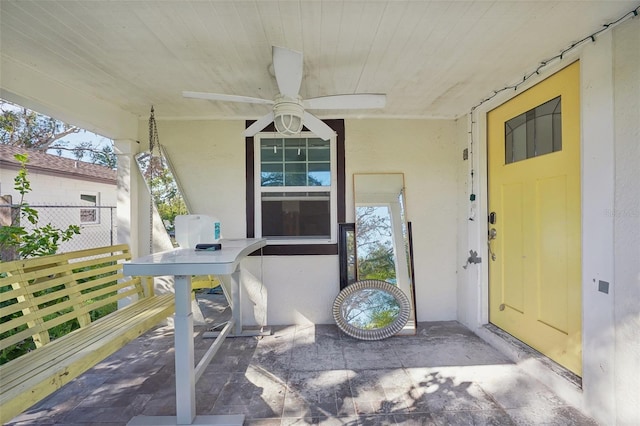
[(445, 375)]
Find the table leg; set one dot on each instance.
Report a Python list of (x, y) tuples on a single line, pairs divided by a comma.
[(185, 374), (185, 369), (236, 303)]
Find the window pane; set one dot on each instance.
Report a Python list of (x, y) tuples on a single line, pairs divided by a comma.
[(557, 131), (295, 150), (319, 150), (544, 134), (319, 174), (535, 132), (271, 150), (295, 154), (90, 198), (515, 138), (88, 215), (295, 174), (520, 142), (272, 175), (291, 215)]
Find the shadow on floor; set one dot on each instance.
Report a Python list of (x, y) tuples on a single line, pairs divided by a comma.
[(444, 375)]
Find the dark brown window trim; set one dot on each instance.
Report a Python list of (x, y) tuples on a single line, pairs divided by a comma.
[(300, 249)]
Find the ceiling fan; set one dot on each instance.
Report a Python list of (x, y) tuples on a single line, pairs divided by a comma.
[(289, 112)]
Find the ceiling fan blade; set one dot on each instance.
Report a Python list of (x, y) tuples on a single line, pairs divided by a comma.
[(287, 66), (260, 124), (227, 98), (355, 101), (317, 126)]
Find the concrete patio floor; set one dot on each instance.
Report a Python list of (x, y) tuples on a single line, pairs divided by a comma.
[(444, 375)]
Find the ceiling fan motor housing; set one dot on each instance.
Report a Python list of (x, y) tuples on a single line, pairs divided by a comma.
[(287, 115)]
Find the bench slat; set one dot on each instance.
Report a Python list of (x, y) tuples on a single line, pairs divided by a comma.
[(38, 283), (134, 284), (44, 326), (84, 309)]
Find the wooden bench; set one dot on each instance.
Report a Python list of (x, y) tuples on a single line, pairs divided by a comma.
[(65, 290)]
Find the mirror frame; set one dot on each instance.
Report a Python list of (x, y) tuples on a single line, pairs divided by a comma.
[(381, 333)]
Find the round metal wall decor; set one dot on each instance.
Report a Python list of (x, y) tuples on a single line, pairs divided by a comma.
[(371, 310)]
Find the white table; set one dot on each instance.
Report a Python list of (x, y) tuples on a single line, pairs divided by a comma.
[(182, 264)]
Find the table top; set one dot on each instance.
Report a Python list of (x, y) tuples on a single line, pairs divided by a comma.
[(183, 261)]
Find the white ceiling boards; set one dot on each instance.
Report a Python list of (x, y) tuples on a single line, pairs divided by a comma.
[(433, 59)]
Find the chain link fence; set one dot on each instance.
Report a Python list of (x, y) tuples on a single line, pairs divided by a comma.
[(97, 224)]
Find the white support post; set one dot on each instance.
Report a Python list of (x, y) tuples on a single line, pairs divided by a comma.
[(185, 375)]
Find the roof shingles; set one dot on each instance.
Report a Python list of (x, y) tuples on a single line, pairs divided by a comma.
[(52, 164)]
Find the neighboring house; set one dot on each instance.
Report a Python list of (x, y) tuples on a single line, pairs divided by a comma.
[(69, 192), (448, 69)]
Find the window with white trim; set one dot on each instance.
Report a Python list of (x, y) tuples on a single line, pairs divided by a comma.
[(89, 216), (295, 189)]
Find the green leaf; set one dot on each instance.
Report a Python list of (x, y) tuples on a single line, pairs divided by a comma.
[(22, 158)]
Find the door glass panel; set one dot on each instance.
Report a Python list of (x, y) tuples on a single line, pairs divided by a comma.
[(534, 133)]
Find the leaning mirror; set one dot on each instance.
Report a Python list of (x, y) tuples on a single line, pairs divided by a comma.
[(381, 238)]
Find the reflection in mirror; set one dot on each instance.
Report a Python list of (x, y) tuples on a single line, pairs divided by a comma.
[(371, 310), (163, 186), (381, 234)]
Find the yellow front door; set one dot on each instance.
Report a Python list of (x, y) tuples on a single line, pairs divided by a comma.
[(534, 225)]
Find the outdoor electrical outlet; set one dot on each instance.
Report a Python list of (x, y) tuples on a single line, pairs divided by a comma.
[(603, 287)]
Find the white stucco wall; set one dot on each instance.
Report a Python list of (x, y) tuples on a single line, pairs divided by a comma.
[(626, 222), (209, 161), (597, 227), (209, 158), (426, 152)]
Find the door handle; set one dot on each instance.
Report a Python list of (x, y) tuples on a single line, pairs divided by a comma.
[(493, 234)]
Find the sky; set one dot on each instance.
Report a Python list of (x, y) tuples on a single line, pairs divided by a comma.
[(82, 136)]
